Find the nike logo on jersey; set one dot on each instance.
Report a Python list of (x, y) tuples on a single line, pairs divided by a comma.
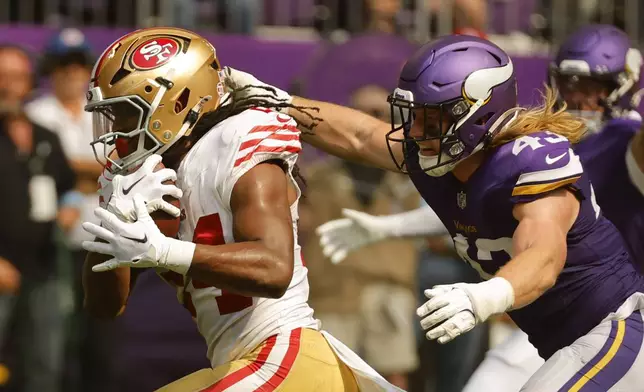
[(140, 240), (550, 161), (127, 190)]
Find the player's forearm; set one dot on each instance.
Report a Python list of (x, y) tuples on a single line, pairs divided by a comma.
[(535, 270), (246, 268), (106, 293), (520, 282), (421, 222), (343, 132)]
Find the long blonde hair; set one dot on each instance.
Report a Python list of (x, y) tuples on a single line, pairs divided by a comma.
[(543, 118)]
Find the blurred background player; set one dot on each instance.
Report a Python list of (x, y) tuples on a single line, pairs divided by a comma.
[(39, 192), (66, 66), (597, 72)]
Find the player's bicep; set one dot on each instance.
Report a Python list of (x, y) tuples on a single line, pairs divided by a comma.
[(546, 220), (261, 209)]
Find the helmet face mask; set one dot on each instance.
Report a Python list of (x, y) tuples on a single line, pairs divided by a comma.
[(438, 126), (120, 124), (148, 90)]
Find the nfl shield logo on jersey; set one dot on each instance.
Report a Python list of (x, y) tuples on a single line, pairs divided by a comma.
[(461, 200)]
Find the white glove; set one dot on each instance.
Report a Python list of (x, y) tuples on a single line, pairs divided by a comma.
[(455, 309), (341, 236), (246, 85), (450, 304), (144, 181), (139, 244)]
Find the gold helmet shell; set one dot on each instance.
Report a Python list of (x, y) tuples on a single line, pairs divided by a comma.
[(147, 90)]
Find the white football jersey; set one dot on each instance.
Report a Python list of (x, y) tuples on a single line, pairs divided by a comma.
[(232, 324)]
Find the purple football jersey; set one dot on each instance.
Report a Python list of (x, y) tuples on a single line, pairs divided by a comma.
[(604, 158), (597, 276)]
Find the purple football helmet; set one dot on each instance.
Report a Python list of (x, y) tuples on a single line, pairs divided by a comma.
[(601, 53), (467, 78)]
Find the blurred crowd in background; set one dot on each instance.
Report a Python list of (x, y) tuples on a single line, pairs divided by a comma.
[(522, 20), (49, 173)]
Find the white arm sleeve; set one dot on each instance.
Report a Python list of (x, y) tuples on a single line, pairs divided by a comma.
[(415, 223)]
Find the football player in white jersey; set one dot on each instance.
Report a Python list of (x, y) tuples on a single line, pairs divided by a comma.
[(236, 263)]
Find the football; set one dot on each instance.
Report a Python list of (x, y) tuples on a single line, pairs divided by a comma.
[(168, 224)]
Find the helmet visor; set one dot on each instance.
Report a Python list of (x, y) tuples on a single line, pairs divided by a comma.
[(119, 116), (120, 136)]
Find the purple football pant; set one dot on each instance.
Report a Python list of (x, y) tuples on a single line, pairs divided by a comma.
[(609, 358)]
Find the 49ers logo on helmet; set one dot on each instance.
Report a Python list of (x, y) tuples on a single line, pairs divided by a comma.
[(154, 53)]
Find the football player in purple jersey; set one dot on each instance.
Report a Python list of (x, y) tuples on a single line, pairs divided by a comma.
[(596, 72), (515, 199)]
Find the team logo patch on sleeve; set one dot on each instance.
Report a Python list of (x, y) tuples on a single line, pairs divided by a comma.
[(154, 53)]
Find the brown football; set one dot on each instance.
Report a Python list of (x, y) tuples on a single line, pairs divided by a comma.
[(168, 224)]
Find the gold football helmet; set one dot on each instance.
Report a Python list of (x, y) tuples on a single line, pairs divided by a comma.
[(147, 90)]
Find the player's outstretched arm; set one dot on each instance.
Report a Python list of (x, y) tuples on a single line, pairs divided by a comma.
[(346, 133), (260, 262), (343, 132), (340, 237), (539, 243)]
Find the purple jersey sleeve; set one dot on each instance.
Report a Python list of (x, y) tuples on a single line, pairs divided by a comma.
[(540, 163)]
